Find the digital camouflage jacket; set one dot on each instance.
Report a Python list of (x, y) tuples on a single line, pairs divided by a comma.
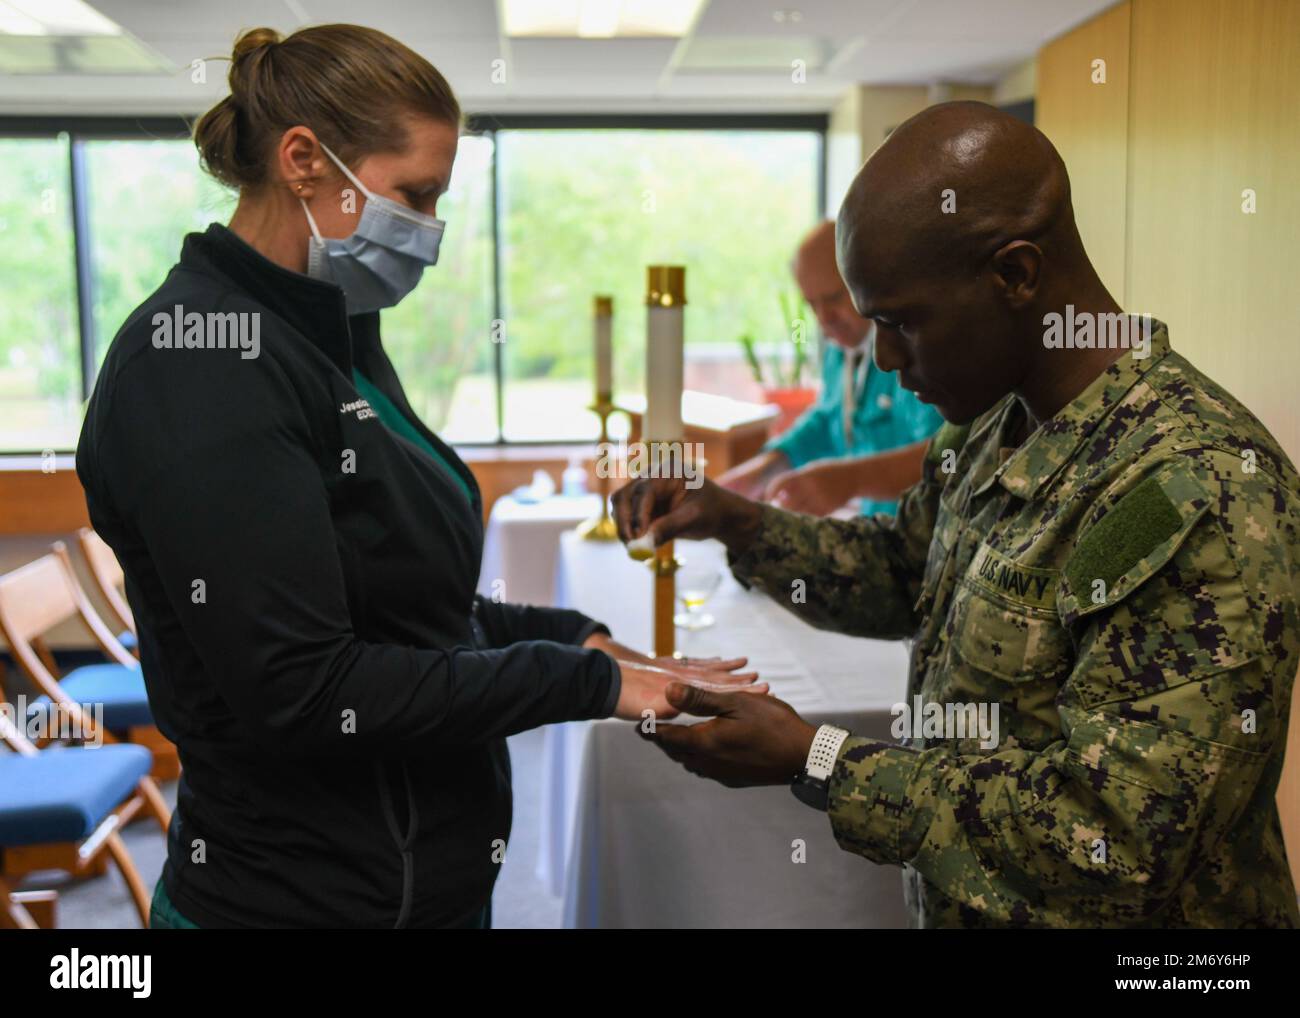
[(1125, 586)]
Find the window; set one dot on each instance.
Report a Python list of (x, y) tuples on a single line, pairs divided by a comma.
[(40, 363), (585, 211), (144, 196), (495, 343)]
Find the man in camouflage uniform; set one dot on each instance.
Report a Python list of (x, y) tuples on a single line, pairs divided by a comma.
[(1104, 544)]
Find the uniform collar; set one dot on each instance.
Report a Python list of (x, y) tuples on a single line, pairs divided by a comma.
[(987, 440), (1037, 462), (314, 307)]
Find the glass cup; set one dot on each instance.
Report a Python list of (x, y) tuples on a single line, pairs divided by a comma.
[(696, 582)]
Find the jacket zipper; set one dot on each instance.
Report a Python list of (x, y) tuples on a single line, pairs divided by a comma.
[(405, 842)]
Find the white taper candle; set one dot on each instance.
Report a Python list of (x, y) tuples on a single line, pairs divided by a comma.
[(665, 350), (604, 334)]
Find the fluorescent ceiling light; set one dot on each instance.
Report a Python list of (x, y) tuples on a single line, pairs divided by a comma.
[(599, 19), (53, 17)]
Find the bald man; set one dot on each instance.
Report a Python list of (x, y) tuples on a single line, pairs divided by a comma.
[(1099, 570), (864, 438)]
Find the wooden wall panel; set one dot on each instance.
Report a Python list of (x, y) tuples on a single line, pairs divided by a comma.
[(1088, 123), (1216, 110)]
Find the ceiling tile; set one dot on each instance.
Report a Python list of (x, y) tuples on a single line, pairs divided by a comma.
[(738, 53)]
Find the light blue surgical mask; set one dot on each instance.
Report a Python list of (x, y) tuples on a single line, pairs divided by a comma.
[(384, 257)]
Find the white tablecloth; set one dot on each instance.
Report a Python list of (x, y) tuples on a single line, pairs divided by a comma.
[(632, 840), (522, 543)]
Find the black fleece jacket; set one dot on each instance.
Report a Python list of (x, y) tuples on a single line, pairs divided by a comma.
[(303, 579)]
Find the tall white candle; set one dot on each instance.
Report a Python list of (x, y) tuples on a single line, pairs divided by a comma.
[(604, 325), (665, 338)]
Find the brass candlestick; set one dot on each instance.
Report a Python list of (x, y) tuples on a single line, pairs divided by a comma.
[(601, 527), (665, 566)]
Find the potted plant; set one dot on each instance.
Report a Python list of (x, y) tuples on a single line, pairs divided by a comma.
[(782, 383)]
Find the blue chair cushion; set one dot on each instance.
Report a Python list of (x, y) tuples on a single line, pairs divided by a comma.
[(127, 639), (62, 795), (119, 688)]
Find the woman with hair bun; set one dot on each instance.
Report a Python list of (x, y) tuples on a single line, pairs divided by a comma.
[(301, 552)]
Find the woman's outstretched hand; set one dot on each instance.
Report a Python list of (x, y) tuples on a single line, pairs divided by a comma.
[(710, 669), (644, 684)]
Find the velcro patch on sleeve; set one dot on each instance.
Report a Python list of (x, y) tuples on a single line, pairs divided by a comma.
[(1135, 538), (1138, 523)]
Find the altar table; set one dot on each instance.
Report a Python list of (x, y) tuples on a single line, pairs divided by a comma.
[(521, 544), (630, 839)]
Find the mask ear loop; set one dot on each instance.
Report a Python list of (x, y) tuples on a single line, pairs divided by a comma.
[(347, 173), (311, 222), (316, 246)]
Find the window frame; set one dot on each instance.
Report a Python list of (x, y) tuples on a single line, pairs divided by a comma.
[(82, 129)]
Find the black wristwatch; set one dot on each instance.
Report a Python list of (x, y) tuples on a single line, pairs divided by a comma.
[(812, 786)]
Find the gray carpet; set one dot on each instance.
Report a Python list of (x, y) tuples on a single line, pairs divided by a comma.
[(520, 901)]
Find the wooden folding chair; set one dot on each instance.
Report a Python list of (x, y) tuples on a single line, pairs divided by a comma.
[(27, 910), (109, 580), (83, 795), (33, 600)]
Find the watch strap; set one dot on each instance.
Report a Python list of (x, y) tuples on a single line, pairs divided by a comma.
[(824, 751)]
